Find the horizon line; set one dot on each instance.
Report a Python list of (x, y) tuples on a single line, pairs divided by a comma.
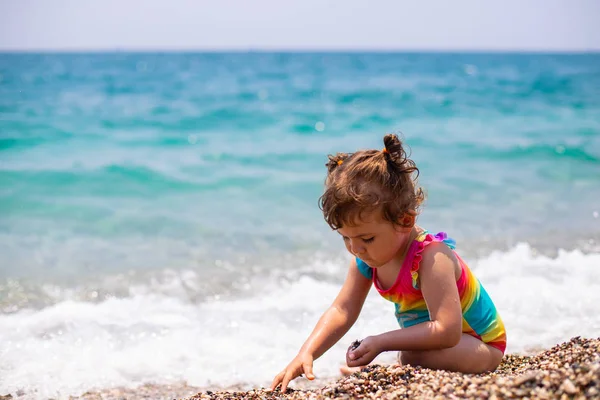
[(150, 50)]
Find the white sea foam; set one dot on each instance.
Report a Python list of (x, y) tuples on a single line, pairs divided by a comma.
[(71, 347)]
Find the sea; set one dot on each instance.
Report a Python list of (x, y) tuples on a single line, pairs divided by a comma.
[(159, 217)]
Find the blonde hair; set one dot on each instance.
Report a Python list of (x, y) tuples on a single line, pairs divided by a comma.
[(368, 180)]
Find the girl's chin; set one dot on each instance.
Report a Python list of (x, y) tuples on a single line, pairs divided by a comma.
[(371, 263)]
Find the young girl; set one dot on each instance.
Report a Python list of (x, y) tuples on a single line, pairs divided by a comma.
[(447, 319)]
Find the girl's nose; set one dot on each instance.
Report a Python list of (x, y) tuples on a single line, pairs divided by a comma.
[(356, 247)]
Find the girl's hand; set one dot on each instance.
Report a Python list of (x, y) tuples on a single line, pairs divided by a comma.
[(364, 353), (302, 364)]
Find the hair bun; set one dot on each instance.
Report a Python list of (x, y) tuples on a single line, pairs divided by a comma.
[(397, 154)]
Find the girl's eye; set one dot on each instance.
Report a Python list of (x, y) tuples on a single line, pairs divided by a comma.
[(369, 240), (345, 238)]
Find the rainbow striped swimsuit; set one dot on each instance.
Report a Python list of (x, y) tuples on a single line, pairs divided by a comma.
[(480, 318)]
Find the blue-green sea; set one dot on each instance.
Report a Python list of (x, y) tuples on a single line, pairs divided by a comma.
[(159, 216)]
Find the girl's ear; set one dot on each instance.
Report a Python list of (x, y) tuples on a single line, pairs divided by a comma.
[(407, 220)]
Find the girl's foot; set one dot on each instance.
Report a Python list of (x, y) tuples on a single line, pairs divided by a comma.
[(346, 370)]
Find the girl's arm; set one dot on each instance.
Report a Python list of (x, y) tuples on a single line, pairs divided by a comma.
[(438, 273), (332, 325)]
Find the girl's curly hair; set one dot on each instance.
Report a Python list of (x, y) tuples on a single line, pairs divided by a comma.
[(368, 180)]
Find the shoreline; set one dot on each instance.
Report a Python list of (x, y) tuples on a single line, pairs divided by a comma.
[(570, 369)]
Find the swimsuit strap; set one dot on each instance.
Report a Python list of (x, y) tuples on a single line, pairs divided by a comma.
[(423, 240)]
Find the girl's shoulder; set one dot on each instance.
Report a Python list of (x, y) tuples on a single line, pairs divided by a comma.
[(428, 245)]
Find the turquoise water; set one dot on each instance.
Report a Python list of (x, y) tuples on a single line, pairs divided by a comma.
[(117, 153), (159, 218)]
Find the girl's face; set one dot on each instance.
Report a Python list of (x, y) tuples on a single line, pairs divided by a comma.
[(375, 240)]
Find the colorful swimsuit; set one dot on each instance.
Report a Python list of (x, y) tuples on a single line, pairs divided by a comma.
[(480, 318)]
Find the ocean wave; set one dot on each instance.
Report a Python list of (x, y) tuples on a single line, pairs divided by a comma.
[(199, 342), (108, 181), (579, 153)]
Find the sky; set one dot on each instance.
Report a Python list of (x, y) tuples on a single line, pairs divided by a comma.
[(521, 25)]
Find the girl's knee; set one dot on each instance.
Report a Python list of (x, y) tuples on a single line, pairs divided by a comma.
[(413, 358), (496, 357)]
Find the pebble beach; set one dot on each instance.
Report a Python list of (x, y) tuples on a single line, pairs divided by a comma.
[(569, 370)]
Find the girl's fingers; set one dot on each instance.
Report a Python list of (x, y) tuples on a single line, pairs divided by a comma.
[(286, 380), (308, 371), (277, 380), (359, 360), (357, 353)]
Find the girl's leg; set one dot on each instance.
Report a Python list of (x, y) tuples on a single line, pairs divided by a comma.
[(470, 355)]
